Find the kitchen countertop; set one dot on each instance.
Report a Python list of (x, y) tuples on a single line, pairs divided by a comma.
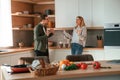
[(14, 50), (84, 48), (90, 72)]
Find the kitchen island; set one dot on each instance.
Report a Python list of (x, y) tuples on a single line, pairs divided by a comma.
[(89, 74)]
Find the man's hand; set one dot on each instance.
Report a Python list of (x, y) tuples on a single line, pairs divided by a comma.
[(51, 31)]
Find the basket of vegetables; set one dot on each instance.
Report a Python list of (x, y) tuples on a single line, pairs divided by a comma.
[(39, 68)]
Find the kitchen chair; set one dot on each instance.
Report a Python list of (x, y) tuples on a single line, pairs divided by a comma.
[(29, 60), (80, 57)]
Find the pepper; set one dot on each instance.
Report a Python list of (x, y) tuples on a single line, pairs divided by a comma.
[(71, 67), (96, 65)]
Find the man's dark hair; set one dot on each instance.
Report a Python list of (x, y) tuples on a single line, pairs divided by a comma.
[(43, 17)]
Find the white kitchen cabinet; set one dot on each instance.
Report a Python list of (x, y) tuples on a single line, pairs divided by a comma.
[(112, 11), (5, 59), (16, 56), (60, 54), (85, 10), (98, 12), (89, 52), (66, 12), (51, 55), (13, 58), (94, 12), (111, 54), (97, 54)]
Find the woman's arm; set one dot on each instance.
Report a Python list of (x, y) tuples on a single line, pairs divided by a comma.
[(67, 35), (83, 34)]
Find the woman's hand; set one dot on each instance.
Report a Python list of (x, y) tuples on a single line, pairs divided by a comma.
[(78, 32)]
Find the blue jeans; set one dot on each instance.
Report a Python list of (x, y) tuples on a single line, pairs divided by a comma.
[(76, 49)]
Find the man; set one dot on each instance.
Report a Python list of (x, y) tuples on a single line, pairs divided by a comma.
[(41, 36)]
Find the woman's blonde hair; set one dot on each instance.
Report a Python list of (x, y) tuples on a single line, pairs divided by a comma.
[(82, 20)]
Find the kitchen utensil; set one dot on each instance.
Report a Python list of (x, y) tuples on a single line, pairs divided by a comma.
[(99, 37), (60, 45), (19, 68), (66, 45), (99, 43), (50, 43)]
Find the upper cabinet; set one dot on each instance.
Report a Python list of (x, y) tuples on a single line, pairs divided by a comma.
[(112, 11), (91, 10), (66, 12), (97, 12), (85, 10)]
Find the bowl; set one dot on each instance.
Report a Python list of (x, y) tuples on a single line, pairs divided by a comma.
[(50, 43)]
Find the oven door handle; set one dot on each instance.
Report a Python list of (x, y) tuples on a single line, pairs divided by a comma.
[(112, 30)]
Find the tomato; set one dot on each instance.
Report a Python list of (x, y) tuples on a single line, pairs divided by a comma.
[(84, 66), (78, 65), (96, 65)]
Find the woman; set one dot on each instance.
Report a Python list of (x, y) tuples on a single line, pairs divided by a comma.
[(79, 36)]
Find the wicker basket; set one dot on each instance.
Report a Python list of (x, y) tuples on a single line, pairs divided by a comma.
[(45, 71)]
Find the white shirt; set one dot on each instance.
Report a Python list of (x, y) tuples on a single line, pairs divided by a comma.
[(79, 38)]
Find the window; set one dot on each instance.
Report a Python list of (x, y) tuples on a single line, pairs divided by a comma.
[(5, 24)]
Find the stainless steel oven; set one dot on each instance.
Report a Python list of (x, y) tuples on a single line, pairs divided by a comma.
[(112, 35)]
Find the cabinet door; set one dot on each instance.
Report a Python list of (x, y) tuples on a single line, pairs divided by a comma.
[(112, 10), (15, 57), (112, 54), (89, 52), (66, 12), (85, 10), (60, 54), (98, 55), (5, 59), (98, 12), (51, 55)]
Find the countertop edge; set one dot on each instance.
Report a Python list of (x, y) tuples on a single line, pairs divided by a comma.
[(84, 48), (14, 50)]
